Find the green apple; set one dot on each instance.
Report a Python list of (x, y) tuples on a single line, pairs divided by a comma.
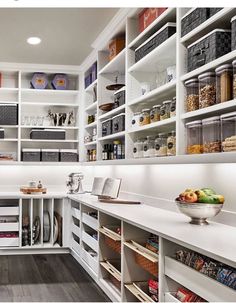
[(208, 191)]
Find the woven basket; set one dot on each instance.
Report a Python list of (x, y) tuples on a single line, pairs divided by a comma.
[(114, 245), (146, 264)]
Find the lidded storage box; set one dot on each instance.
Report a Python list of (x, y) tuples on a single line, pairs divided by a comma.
[(69, 155), (211, 135), (8, 114), (31, 154), (224, 76), (60, 82), (2, 134), (148, 15), (107, 127), (208, 48), (50, 155), (48, 134), (119, 97), (155, 40), (39, 81), (116, 46), (194, 137), (192, 94), (228, 132), (118, 123)]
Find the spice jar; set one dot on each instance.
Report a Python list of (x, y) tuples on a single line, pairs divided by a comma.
[(171, 143), (135, 119), (138, 149), (155, 113), (224, 75), (148, 147), (207, 89), (192, 95), (194, 137), (228, 132), (211, 135), (144, 117), (165, 110), (234, 79), (173, 107), (161, 145)]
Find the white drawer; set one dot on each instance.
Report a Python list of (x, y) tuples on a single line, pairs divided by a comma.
[(91, 261), (75, 212), (9, 242), (9, 226), (90, 221), (9, 211), (75, 229), (90, 241), (75, 246)]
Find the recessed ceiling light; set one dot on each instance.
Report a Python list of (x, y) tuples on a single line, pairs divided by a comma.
[(34, 40)]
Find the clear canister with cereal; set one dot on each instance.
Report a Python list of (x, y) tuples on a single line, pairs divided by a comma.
[(207, 89), (171, 143), (211, 135), (173, 107), (228, 132), (155, 113), (144, 117), (194, 137), (192, 94), (161, 145), (165, 110), (224, 75)]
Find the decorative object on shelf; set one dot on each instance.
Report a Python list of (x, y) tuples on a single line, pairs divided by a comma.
[(7, 156), (61, 119), (171, 73), (161, 78), (119, 97), (145, 87), (106, 107), (8, 114), (40, 184), (39, 81), (148, 15), (60, 82), (74, 183), (87, 138), (30, 190), (46, 226), (115, 46), (90, 119), (32, 184)]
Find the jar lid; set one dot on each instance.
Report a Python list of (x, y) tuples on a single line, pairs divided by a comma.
[(197, 122), (174, 99), (145, 110), (166, 102), (117, 142), (172, 133), (222, 68), (137, 113), (228, 115), (191, 81), (210, 120), (163, 135), (208, 74), (156, 106), (234, 62)]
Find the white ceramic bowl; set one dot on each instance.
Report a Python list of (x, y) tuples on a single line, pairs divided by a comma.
[(199, 212)]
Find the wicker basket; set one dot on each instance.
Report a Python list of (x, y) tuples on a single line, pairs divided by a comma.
[(114, 245), (148, 265)]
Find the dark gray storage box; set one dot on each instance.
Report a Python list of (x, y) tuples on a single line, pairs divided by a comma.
[(155, 40), (107, 127), (233, 33), (210, 47), (48, 134), (214, 10), (8, 114), (50, 155), (118, 123), (2, 134), (119, 97), (69, 155), (31, 154)]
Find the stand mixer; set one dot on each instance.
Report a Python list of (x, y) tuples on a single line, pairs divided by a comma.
[(74, 183)]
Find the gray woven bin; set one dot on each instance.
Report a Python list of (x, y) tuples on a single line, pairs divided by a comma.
[(2, 134), (31, 155), (69, 155), (44, 134), (8, 114), (48, 155)]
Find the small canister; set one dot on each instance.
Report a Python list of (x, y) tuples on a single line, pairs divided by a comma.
[(171, 143), (138, 149), (207, 89), (144, 117), (161, 145), (155, 113), (194, 137), (234, 79), (135, 119), (192, 94), (173, 107), (211, 135), (165, 110), (224, 75)]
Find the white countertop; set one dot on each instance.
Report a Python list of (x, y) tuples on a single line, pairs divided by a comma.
[(19, 195), (215, 239)]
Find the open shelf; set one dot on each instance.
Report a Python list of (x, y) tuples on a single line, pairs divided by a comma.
[(112, 112), (90, 143), (113, 136), (50, 104), (160, 125), (90, 125), (89, 89), (115, 65), (48, 92), (92, 107)]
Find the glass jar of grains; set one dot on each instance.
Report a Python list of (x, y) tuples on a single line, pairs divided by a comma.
[(161, 145), (171, 143), (155, 113), (192, 94), (138, 149), (148, 147), (207, 89), (165, 110), (173, 107), (224, 75), (144, 117), (135, 119)]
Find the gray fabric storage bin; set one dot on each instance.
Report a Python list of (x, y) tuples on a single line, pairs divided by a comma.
[(48, 134), (233, 33), (31, 154), (119, 97), (107, 127), (50, 155), (118, 123), (208, 48), (8, 114), (69, 155), (2, 134)]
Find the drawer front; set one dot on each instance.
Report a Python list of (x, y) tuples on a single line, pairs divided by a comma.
[(75, 246), (90, 221), (75, 213), (9, 226), (75, 229), (90, 241), (91, 261), (5, 242), (9, 211)]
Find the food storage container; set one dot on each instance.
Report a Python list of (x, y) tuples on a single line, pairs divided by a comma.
[(194, 137), (118, 123), (234, 79), (173, 107), (171, 143), (165, 110), (228, 132), (192, 94), (2, 134), (224, 76), (161, 145), (117, 149), (31, 154), (48, 134), (211, 135), (69, 155), (208, 48), (135, 119), (138, 149), (155, 113), (149, 147), (39, 81), (8, 114), (115, 47), (107, 127), (148, 15), (119, 97), (50, 155), (233, 33), (60, 82), (207, 89), (144, 117)]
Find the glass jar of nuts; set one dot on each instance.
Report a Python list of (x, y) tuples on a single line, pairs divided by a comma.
[(207, 89), (192, 96)]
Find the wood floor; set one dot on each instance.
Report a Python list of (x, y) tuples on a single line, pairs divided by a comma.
[(46, 278)]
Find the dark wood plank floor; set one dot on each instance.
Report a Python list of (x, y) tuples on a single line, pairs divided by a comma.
[(46, 278)]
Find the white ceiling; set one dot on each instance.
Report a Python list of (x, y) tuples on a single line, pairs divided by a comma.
[(66, 33)]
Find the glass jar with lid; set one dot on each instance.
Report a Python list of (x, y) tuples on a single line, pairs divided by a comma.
[(228, 132), (155, 113), (171, 143), (234, 79), (194, 137), (138, 149), (224, 76), (173, 107), (207, 89), (211, 135), (144, 117), (148, 147), (135, 119), (192, 94), (165, 110), (161, 145)]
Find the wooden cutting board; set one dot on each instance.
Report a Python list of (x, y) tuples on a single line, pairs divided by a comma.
[(33, 190)]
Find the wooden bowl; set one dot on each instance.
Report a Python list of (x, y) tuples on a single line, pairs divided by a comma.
[(106, 107), (115, 86)]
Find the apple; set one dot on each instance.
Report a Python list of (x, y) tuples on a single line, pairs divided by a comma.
[(191, 197)]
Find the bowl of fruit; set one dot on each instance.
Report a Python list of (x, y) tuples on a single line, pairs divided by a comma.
[(200, 204)]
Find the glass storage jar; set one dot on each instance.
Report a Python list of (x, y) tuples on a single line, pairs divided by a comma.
[(144, 117), (135, 119), (138, 149), (173, 107), (165, 110), (234, 79), (171, 143), (192, 95), (155, 113), (161, 145), (207, 89), (194, 137), (211, 135), (224, 75), (228, 132), (148, 147)]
